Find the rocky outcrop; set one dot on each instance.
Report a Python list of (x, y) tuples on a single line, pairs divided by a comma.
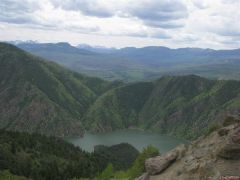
[(231, 149), (158, 164), (215, 156)]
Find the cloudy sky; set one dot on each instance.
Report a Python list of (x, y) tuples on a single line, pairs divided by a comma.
[(120, 23)]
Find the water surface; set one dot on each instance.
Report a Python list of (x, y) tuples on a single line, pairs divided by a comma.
[(139, 139)]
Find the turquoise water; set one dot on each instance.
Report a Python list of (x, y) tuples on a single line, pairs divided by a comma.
[(139, 139)]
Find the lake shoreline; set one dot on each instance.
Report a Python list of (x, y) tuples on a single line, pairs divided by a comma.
[(136, 137), (129, 128)]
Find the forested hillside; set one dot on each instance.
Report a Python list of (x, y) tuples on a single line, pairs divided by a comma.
[(183, 106), (40, 96), (39, 157)]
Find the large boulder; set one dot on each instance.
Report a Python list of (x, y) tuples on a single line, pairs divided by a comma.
[(157, 164)]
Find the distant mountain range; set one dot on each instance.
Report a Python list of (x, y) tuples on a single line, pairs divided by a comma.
[(40, 96), (134, 64), (161, 53)]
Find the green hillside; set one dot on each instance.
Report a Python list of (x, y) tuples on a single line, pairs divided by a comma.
[(39, 96), (183, 106), (42, 97), (118, 108)]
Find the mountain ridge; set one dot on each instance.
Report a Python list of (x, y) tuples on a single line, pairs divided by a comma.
[(181, 106), (41, 96), (134, 64)]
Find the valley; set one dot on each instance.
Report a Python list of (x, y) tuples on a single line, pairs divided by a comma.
[(43, 103), (119, 90), (49, 99)]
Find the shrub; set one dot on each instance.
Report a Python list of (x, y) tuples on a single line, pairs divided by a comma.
[(106, 174), (139, 164)]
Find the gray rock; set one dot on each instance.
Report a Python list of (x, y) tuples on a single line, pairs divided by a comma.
[(193, 166), (157, 164), (210, 157)]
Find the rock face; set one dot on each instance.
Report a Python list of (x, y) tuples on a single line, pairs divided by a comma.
[(212, 157), (231, 149)]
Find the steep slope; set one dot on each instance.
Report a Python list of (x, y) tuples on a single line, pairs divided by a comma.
[(216, 156), (39, 96), (187, 105), (118, 108), (182, 106)]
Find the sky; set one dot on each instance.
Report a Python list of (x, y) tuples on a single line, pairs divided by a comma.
[(122, 23)]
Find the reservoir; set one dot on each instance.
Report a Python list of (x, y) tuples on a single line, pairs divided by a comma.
[(139, 139)]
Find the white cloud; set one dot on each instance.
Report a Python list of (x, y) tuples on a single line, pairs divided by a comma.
[(88, 7), (175, 23)]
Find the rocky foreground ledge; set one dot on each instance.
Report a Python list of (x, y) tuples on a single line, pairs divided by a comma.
[(216, 156)]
